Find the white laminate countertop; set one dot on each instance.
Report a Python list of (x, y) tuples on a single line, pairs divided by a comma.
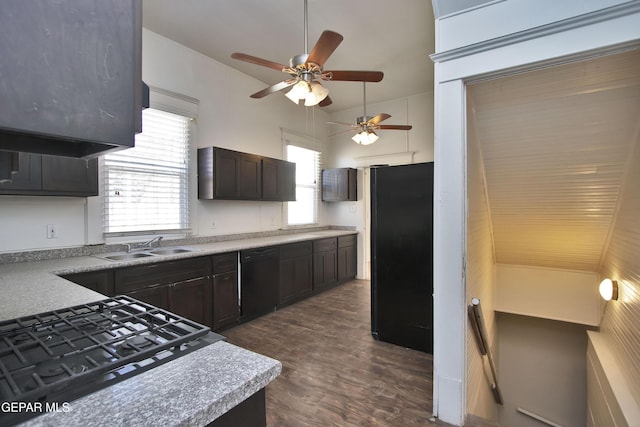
[(192, 390)]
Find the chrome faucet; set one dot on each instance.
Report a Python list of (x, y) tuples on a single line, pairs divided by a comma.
[(146, 245)]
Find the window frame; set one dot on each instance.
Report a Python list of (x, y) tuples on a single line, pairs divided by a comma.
[(185, 106), (309, 143)]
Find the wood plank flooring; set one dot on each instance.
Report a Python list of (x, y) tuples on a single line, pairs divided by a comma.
[(334, 373)]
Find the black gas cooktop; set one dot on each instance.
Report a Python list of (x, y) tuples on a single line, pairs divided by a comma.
[(51, 358)]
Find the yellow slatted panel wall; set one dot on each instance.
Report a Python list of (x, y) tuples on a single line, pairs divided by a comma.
[(621, 322), (480, 282), (555, 145)]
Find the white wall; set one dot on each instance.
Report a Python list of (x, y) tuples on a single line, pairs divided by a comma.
[(24, 219), (550, 293), (227, 117), (507, 36), (542, 370)]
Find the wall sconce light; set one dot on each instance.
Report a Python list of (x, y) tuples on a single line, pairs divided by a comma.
[(609, 289)]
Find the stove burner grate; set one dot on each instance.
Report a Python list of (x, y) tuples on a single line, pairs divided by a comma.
[(58, 354)]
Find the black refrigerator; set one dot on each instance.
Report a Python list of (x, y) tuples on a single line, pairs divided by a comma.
[(402, 255)]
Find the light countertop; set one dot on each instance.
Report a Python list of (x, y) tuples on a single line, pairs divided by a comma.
[(192, 390)]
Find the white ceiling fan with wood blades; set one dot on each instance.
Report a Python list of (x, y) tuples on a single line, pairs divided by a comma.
[(305, 70), (365, 126)]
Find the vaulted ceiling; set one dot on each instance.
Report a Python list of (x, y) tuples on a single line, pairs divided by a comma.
[(556, 146), (393, 37)]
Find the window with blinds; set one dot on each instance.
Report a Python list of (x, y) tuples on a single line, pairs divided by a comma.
[(146, 187), (304, 211)]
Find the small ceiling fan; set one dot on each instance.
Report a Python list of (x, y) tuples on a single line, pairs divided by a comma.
[(306, 69), (366, 125)]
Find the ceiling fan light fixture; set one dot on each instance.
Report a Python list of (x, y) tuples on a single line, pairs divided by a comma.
[(311, 92), (298, 91), (365, 137), (317, 94)]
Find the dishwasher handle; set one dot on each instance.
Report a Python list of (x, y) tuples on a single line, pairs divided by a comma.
[(258, 254)]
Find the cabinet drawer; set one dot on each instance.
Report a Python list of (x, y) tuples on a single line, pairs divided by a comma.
[(295, 250), (225, 262), (161, 273), (344, 241), (325, 244)]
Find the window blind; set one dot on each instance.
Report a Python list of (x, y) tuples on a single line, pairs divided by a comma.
[(146, 187), (304, 210)]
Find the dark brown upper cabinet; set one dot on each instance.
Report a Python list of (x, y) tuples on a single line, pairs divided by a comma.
[(53, 176), (233, 175), (339, 185), (278, 180), (71, 76)]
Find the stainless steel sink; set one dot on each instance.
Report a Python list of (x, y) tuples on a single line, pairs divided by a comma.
[(126, 256), (170, 251)]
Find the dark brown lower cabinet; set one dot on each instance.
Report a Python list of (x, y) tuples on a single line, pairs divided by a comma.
[(205, 289), (296, 273), (191, 299), (156, 295), (325, 263), (347, 258), (99, 281), (225, 290), (250, 412), (225, 300)]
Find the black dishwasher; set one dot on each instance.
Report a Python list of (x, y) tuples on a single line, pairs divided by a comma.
[(259, 275)]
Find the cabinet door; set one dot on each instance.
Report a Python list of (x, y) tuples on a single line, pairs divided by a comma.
[(64, 175), (99, 281), (236, 175), (28, 177), (339, 185), (347, 257), (278, 180), (225, 299), (346, 263), (156, 296), (250, 177), (325, 269), (295, 279), (192, 299)]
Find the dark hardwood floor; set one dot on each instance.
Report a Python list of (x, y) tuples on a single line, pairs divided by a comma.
[(334, 373)]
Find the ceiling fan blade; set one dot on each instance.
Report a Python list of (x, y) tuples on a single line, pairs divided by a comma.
[(326, 44), (355, 76), (396, 127), (380, 117), (325, 102), (275, 88), (258, 61)]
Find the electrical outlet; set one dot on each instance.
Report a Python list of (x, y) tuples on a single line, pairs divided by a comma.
[(52, 231), (213, 225)]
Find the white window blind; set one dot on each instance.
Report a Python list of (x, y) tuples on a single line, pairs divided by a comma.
[(304, 211), (146, 187)]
